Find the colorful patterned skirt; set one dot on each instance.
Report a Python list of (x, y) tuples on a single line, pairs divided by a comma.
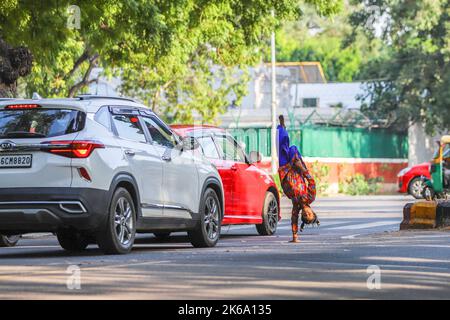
[(297, 185)]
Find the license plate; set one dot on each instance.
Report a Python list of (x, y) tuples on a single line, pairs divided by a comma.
[(16, 161)]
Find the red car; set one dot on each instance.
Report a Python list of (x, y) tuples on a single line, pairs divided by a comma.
[(409, 179), (251, 195)]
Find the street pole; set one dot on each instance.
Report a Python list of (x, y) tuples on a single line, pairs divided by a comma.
[(273, 147)]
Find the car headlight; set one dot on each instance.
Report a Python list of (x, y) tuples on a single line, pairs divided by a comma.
[(403, 171)]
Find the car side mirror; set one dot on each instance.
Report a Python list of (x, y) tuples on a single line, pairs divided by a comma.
[(190, 143), (254, 157)]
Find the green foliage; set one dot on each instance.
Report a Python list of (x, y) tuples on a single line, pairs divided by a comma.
[(358, 185), (166, 51), (338, 65), (315, 38), (64, 57), (276, 178), (412, 78), (320, 173)]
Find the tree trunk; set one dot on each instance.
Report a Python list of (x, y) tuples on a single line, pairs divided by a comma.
[(8, 91), (14, 63), (85, 81)]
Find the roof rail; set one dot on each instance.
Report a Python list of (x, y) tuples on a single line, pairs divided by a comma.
[(92, 96)]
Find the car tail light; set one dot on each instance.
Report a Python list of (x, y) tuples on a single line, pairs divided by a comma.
[(22, 106), (73, 149)]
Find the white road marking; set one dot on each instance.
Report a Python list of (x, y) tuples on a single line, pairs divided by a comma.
[(247, 226), (352, 236), (323, 224), (366, 225), (350, 225), (32, 247)]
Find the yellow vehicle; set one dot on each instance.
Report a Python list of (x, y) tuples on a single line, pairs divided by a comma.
[(439, 184)]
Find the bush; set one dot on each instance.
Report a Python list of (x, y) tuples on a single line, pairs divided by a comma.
[(320, 174), (276, 178), (358, 185)]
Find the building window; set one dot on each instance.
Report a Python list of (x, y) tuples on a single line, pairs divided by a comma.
[(310, 102)]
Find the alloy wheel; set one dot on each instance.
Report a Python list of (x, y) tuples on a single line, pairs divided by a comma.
[(417, 188), (123, 221), (13, 238), (272, 215), (211, 219)]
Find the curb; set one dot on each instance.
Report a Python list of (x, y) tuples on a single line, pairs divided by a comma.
[(426, 215)]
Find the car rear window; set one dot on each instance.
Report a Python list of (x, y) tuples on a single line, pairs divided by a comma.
[(40, 123)]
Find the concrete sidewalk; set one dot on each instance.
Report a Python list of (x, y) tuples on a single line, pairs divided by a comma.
[(362, 205)]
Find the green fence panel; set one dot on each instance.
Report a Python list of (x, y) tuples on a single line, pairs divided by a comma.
[(253, 139), (352, 143), (330, 142)]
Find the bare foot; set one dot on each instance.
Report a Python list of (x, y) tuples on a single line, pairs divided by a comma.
[(294, 240)]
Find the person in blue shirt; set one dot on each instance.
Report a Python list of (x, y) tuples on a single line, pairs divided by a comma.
[(282, 143), (285, 151)]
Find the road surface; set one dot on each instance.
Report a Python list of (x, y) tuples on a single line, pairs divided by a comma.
[(330, 262)]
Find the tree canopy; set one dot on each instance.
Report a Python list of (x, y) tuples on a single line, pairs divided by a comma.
[(411, 82), (180, 56), (323, 39)]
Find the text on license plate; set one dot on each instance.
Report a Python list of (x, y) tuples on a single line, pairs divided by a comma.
[(16, 161)]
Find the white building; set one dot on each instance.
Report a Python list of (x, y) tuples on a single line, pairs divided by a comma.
[(299, 95), (302, 90)]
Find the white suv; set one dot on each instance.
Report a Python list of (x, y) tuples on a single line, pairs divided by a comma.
[(99, 169)]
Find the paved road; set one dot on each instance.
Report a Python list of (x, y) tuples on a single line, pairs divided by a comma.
[(330, 262)]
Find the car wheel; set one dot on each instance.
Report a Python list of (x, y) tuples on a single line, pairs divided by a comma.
[(119, 232), (207, 230), (71, 240), (270, 216), (9, 241), (162, 235), (416, 187)]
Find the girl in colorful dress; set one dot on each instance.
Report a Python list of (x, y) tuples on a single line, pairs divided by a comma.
[(296, 182)]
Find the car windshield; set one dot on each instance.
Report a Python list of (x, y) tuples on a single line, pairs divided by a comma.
[(40, 123)]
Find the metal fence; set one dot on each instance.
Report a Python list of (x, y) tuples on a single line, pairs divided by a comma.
[(331, 142)]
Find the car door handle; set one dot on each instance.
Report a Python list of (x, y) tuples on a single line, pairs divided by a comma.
[(130, 153), (234, 168)]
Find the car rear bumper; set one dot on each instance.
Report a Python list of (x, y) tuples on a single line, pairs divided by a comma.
[(25, 210)]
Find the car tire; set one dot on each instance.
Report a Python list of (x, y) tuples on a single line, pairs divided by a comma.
[(118, 234), (207, 230), (162, 235), (270, 216), (72, 241), (9, 241), (415, 188)]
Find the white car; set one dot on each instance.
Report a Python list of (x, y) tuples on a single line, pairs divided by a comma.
[(100, 169)]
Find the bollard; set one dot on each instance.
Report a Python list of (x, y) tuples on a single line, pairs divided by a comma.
[(406, 216), (419, 215), (443, 214)]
